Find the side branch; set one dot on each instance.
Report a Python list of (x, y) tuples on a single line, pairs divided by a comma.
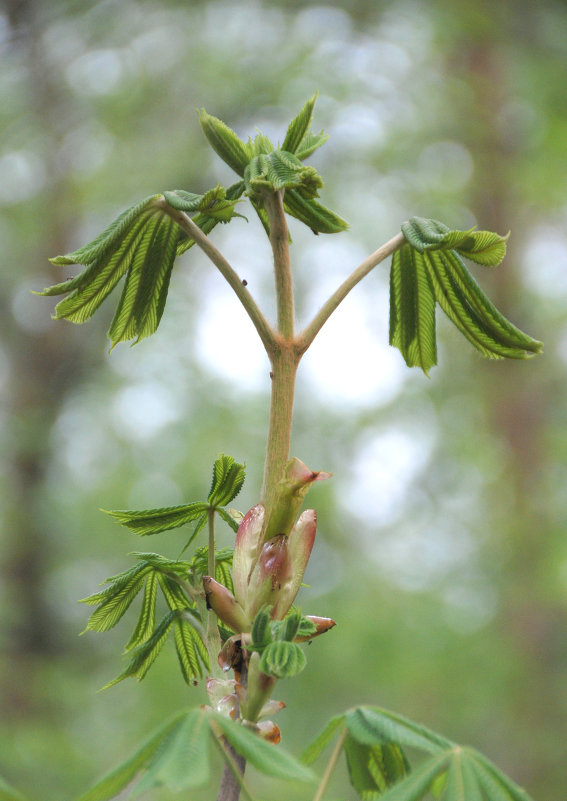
[(260, 323), (307, 336)]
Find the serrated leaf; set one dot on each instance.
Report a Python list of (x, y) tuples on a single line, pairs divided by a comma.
[(322, 740), (145, 654), (282, 659), (225, 142), (374, 726), (147, 617), (263, 755), (261, 631), (118, 779), (290, 626), (191, 650), (299, 126), (9, 793), (320, 219), (416, 784), (496, 785), (154, 521), (483, 247), (205, 222), (228, 518), (140, 244), (115, 601), (310, 143), (173, 594), (372, 769), (412, 309), (182, 760), (228, 478)]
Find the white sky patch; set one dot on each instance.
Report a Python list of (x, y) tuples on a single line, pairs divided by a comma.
[(96, 72), (141, 410), (22, 176), (544, 262)]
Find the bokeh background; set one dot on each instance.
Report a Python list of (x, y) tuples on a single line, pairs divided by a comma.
[(442, 547)]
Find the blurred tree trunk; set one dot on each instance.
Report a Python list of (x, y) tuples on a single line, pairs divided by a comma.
[(48, 363), (530, 621)]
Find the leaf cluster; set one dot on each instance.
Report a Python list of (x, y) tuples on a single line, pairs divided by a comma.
[(428, 270), (375, 742), (178, 581), (274, 640), (177, 757)]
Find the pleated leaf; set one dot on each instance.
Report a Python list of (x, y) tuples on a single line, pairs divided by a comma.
[(281, 170), (205, 222), (147, 618), (116, 599), (118, 779), (154, 521), (191, 650), (182, 759), (225, 142), (310, 143), (299, 126), (374, 768), (320, 219), (264, 756), (228, 478), (282, 659), (495, 784), (483, 247), (412, 309), (145, 654)]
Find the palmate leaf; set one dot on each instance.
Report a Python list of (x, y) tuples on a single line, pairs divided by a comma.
[(154, 521), (282, 659), (428, 270), (114, 601), (147, 618), (228, 478), (374, 768)]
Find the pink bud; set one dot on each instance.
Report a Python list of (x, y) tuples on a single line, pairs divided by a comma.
[(271, 572), (323, 624), (246, 551), (225, 605), (300, 544)]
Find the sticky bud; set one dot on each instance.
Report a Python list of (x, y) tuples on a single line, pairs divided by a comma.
[(224, 605)]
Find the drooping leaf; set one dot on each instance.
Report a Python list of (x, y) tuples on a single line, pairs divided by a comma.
[(320, 219), (299, 126), (118, 779), (147, 618), (116, 599), (182, 760), (412, 309), (322, 740), (225, 142), (191, 650), (147, 652), (263, 755), (154, 521), (282, 659), (495, 784), (483, 247), (228, 478)]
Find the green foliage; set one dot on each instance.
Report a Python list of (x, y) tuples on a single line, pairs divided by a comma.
[(429, 270), (374, 741), (282, 659), (273, 639), (177, 757)]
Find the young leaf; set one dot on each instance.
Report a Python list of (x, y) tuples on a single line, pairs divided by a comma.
[(483, 247), (299, 126), (310, 143), (205, 222), (145, 654), (260, 753), (282, 659), (261, 632), (320, 219), (374, 768), (225, 142), (416, 784), (117, 780), (116, 599), (191, 650), (140, 244), (228, 478), (182, 760), (374, 726), (461, 783), (147, 619), (496, 785), (412, 309), (154, 521)]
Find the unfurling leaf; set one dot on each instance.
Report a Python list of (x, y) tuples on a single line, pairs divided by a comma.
[(429, 270), (228, 478), (225, 142), (282, 659), (374, 768)]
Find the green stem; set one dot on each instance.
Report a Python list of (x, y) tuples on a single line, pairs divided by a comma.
[(213, 639), (185, 222), (307, 336), (279, 239), (331, 766)]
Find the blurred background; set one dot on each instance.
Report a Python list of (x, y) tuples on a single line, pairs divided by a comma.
[(441, 550)]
